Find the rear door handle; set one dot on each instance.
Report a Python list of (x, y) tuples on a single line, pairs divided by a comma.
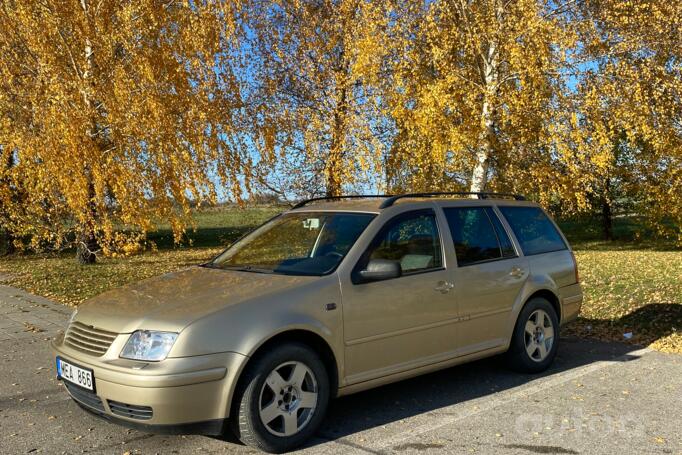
[(444, 287), (517, 272)]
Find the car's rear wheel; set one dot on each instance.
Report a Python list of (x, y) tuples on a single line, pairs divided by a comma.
[(281, 398), (536, 337)]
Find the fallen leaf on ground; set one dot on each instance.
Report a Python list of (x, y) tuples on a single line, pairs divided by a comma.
[(32, 328)]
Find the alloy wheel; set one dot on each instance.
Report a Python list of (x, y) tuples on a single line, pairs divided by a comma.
[(539, 335), (288, 399)]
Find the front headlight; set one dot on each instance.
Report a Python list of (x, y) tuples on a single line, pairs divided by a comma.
[(148, 345)]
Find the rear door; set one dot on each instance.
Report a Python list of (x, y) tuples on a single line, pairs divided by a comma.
[(489, 275), (542, 243), (549, 257)]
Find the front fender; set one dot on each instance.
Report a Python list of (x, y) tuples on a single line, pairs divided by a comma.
[(244, 327)]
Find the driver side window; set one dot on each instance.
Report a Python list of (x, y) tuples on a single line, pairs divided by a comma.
[(410, 239)]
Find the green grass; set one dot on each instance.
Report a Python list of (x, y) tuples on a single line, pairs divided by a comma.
[(631, 291), (59, 276), (632, 284), (628, 233), (217, 226)]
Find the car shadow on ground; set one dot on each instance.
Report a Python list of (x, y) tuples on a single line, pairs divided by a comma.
[(393, 402), (408, 398), (645, 324)]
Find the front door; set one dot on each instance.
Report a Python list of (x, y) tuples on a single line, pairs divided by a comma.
[(401, 323), (488, 278)]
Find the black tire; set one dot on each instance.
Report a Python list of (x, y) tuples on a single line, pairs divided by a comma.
[(247, 424), (518, 357)]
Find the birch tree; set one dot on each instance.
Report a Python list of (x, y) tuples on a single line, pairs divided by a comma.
[(120, 114), (316, 116), (630, 104), (477, 82)]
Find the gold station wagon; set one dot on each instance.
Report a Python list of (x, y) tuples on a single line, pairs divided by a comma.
[(334, 296)]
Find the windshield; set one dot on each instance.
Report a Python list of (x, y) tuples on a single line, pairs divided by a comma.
[(308, 243)]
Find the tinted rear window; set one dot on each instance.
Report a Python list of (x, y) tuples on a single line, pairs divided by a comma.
[(478, 235), (535, 232), (505, 242)]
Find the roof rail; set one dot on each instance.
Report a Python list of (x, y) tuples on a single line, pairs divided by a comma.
[(391, 199), (334, 198), (481, 195)]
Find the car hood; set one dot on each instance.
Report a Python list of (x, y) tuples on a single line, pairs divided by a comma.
[(172, 301)]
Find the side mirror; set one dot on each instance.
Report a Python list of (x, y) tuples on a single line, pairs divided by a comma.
[(381, 269)]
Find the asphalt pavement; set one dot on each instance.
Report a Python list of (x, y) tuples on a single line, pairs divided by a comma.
[(598, 398)]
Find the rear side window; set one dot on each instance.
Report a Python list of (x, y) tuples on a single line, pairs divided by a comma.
[(505, 243), (534, 231), (478, 235)]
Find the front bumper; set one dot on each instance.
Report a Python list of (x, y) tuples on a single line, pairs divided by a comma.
[(157, 396)]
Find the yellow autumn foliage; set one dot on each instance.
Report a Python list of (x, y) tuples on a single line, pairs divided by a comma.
[(630, 137), (577, 105), (317, 122), (115, 115), (474, 92)]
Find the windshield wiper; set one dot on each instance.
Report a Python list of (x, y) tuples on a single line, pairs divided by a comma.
[(246, 268)]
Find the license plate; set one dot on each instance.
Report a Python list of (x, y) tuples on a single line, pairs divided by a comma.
[(80, 376)]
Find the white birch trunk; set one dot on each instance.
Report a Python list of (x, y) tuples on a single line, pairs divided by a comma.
[(479, 176), (486, 140), (86, 251)]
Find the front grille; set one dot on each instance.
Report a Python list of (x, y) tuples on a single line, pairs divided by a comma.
[(85, 397), (130, 411), (88, 339)]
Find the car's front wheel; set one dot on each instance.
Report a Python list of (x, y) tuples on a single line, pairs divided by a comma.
[(281, 398), (536, 337)]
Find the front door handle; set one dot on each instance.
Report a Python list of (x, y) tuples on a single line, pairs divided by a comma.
[(517, 272), (444, 287)]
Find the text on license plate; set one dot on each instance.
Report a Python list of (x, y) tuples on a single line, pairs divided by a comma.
[(75, 375)]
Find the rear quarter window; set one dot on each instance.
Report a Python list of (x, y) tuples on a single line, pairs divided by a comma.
[(534, 230)]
